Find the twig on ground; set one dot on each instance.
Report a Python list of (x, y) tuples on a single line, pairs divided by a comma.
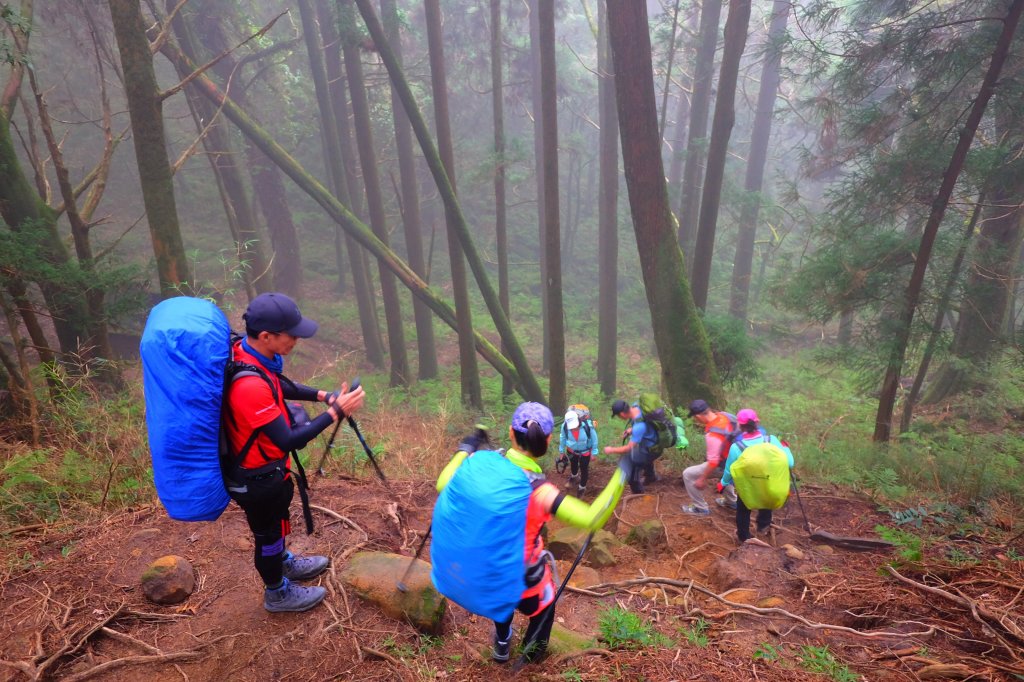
[(335, 515), (379, 654), (191, 655)]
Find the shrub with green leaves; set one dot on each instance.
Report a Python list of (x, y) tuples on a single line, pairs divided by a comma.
[(622, 629)]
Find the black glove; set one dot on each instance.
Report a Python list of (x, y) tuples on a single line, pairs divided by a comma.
[(473, 442)]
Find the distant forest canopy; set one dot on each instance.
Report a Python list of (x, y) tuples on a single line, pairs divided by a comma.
[(545, 179)]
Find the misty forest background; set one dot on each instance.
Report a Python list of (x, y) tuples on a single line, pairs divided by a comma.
[(812, 208)]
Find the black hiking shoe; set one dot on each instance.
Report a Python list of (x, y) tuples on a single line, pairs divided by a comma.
[(502, 650)]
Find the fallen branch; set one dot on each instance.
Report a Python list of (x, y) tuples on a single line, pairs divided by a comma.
[(379, 654), (344, 519), (134, 660), (691, 585), (69, 648)]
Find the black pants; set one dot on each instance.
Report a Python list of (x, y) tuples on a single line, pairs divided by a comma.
[(580, 464), (643, 469), (764, 519), (538, 632), (266, 506)]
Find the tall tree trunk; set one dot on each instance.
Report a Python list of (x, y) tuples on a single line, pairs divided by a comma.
[(721, 130), (525, 382), (500, 212), (668, 70), (687, 368), (411, 221), (374, 199), (335, 163), (675, 173), (700, 104), (540, 181), (467, 358), (529, 386), (552, 235), (941, 308), (890, 383), (608, 212), (145, 108), (268, 186), (754, 181)]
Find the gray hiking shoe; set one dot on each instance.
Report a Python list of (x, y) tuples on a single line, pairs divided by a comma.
[(502, 650), (304, 567), (581, 490), (573, 478), (291, 597)]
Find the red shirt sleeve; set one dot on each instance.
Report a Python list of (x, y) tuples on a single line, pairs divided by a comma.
[(252, 403)]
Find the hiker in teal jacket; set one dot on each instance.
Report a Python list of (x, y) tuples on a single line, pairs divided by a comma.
[(579, 438)]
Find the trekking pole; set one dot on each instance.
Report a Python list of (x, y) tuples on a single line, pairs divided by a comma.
[(330, 441), (369, 452), (807, 525), (401, 583)]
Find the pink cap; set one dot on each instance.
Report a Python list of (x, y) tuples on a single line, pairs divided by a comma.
[(746, 416)]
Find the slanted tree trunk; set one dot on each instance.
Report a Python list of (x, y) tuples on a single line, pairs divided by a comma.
[(552, 233), (700, 104), (335, 163), (539, 180), (759, 137), (467, 358), (721, 130), (668, 70), (374, 200), (500, 212), (687, 368), (675, 173), (608, 212), (890, 383), (453, 209), (411, 222), (145, 108)]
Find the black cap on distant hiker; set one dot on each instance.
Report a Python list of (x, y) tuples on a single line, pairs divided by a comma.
[(698, 406), (618, 407), (278, 313)]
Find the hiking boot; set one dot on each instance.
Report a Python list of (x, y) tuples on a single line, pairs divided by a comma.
[(573, 479), (757, 542), (722, 502), (580, 490), (695, 510), (304, 567), (649, 479), (502, 650), (765, 529), (291, 597)]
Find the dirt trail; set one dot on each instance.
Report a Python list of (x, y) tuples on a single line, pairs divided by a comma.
[(73, 580)]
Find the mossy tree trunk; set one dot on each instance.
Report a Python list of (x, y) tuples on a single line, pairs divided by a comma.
[(500, 210), (687, 368), (538, 171), (608, 212)]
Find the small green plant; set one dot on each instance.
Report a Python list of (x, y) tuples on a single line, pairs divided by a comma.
[(960, 558), (767, 652), (908, 545), (818, 659), (697, 633), (624, 629), (913, 516), (1014, 555), (572, 675)]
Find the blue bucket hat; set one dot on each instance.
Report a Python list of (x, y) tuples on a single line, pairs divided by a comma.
[(527, 412)]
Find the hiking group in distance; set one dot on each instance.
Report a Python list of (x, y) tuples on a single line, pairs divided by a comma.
[(223, 425)]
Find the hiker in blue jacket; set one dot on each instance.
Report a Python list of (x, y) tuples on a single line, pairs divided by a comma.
[(579, 438)]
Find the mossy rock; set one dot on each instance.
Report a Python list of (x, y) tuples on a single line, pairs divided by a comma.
[(565, 641), (649, 534), (168, 580), (374, 577)]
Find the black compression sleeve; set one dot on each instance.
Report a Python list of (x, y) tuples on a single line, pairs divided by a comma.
[(293, 391), (288, 438)]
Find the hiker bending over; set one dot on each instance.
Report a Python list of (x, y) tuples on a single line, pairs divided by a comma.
[(261, 435), (757, 489), (717, 433), (578, 436), (649, 433), (485, 511)]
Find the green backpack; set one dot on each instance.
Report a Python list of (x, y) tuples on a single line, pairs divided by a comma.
[(659, 421)]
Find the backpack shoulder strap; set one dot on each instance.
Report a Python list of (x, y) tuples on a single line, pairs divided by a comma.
[(232, 372)]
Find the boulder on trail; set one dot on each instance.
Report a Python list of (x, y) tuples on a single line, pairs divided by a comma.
[(374, 576), (583, 576), (168, 580), (565, 544), (649, 534), (565, 641), (601, 553)]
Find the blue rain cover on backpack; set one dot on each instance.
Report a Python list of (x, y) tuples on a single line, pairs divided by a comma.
[(477, 554), (184, 350)]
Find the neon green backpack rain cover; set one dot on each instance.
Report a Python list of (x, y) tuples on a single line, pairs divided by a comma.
[(761, 475)]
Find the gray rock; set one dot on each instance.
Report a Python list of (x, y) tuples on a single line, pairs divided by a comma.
[(650, 533), (374, 577), (168, 580)]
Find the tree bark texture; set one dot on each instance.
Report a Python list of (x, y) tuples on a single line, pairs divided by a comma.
[(721, 130), (700, 104), (352, 225), (608, 213), (411, 221), (470, 378), (375, 204), (754, 181), (675, 173), (529, 388), (538, 164), (552, 231), (687, 368), (500, 211), (145, 108), (890, 383), (336, 164)]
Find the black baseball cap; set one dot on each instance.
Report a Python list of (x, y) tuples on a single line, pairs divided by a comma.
[(618, 407), (278, 313), (698, 406)]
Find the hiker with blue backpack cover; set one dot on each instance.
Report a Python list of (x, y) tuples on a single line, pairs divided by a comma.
[(488, 554), (759, 466)]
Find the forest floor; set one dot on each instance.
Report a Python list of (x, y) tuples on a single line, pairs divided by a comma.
[(74, 609)]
